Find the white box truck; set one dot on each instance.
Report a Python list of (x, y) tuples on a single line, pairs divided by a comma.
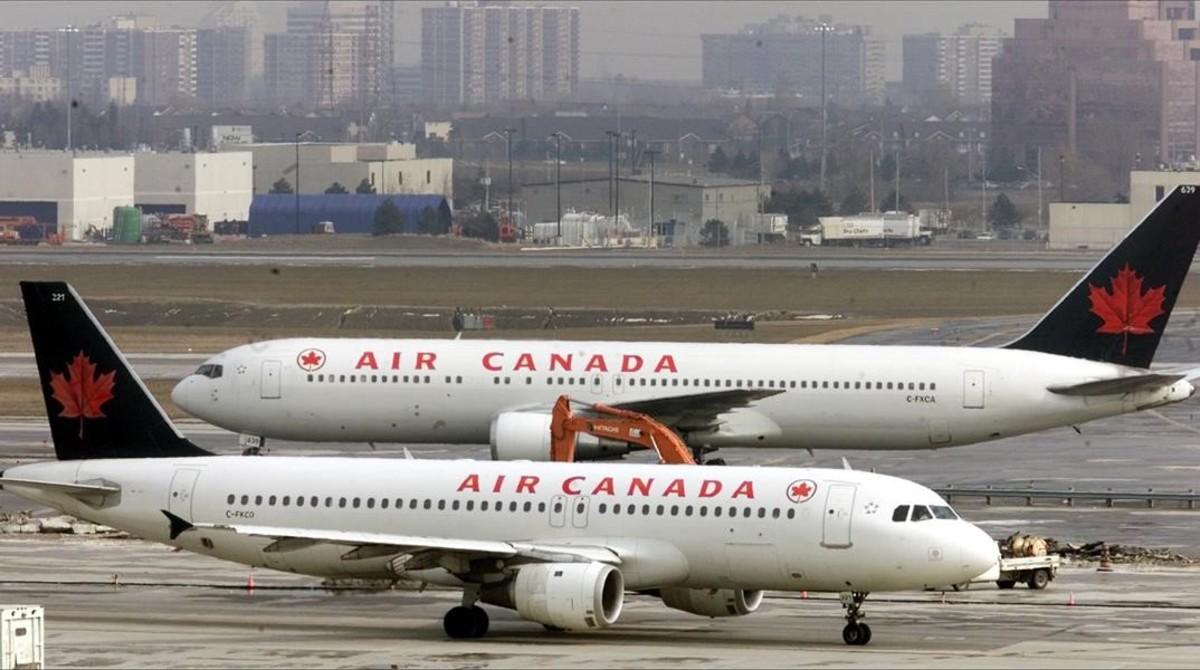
[(22, 641), (867, 230)]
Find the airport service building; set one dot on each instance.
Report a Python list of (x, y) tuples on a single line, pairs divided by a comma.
[(75, 192)]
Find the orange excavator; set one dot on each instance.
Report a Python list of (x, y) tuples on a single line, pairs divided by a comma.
[(612, 423)]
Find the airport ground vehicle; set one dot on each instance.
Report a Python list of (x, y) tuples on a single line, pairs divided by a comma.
[(888, 229)]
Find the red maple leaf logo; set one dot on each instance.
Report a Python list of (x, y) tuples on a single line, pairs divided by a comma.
[(311, 359), (801, 490), (1125, 310), (81, 391)]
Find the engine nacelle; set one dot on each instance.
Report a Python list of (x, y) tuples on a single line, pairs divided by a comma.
[(712, 602), (572, 596), (517, 436)]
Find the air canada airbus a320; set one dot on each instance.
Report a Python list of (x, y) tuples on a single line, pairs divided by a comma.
[(560, 543), (1088, 357)]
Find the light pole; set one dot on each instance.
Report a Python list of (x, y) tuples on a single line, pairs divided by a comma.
[(67, 32), (508, 151), (297, 189), (824, 29), (1062, 195), (612, 158), (557, 135), (652, 153)]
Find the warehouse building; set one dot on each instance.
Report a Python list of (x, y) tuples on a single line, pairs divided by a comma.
[(278, 214), (75, 192), (216, 185), (687, 201), (1100, 225), (389, 168)]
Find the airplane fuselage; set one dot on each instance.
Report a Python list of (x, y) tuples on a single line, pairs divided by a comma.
[(686, 526), (829, 396)]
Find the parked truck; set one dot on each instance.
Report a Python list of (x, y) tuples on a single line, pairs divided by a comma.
[(889, 229)]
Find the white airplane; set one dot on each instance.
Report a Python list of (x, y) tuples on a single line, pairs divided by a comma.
[(1087, 358), (560, 543)]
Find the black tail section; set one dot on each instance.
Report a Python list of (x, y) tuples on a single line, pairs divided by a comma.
[(97, 406), (1117, 313)]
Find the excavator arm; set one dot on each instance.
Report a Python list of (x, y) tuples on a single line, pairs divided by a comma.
[(613, 423)]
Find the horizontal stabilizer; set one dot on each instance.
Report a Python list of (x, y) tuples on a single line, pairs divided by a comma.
[(1116, 386), (85, 492)]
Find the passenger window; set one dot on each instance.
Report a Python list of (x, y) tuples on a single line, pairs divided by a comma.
[(399, 503), (824, 385), (230, 499), (512, 506), (703, 510), (674, 510), (717, 510), (329, 502), (687, 511), (645, 510), (762, 512), (357, 502), (528, 506), (287, 500), (257, 500), (541, 507), (383, 503), (483, 506), (370, 503), (900, 513), (603, 508), (932, 386), (314, 501), (835, 385), (428, 504), (921, 386), (791, 513), (658, 510), (558, 507), (921, 513), (747, 512), (454, 505), (889, 386), (412, 504), (911, 387), (732, 511), (775, 513), (944, 512)]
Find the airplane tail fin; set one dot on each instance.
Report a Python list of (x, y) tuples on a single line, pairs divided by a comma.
[(1118, 311), (96, 404)]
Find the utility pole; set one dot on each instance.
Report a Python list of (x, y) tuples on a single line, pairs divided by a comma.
[(297, 188), (508, 150), (1062, 194), (871, 172), (558, 183), (824, 28), (946, 190), (1039, 176), (983, 190), (652, 153), (897, 181), (617, 178), (69, 31), (612, 149)]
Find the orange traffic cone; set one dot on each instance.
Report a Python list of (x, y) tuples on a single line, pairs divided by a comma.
[(1071, 600), (1105, 561), (250, 583), (804, 595)]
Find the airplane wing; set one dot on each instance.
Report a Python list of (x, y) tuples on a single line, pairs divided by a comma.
[(365, 545), (696, 411), (1127, 384)]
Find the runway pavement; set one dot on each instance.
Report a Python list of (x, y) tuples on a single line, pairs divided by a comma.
[(183, 610)]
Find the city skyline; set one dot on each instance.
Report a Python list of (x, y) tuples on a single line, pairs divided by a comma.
[(649, 40)]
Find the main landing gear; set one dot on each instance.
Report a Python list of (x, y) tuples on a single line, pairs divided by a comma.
[(467, 620), (698, 456), (855, 633)]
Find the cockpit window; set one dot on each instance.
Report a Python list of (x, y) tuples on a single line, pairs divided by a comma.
[(210, 371), (943, 512), (921, 513), (900, 514)]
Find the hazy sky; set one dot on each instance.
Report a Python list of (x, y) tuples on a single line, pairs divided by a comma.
[(646, 39)]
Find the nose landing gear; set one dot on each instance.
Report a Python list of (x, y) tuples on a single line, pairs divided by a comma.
[(856, 633)]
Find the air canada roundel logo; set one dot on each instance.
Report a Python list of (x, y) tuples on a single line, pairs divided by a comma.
[(801, 490), (311, 360)]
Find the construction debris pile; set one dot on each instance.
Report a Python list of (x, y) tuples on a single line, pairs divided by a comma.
[(24, 523), (1117, 553)]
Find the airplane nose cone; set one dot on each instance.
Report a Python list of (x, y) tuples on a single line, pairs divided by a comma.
[(181, 395), (978, 551)]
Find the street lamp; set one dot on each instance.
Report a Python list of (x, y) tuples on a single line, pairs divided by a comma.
[(67, 32), (508, 150), (557, 137), (612, 160), (297, 189), (824, 29), (652, 153)]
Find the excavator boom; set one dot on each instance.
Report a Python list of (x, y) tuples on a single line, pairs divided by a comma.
[(612, 423)]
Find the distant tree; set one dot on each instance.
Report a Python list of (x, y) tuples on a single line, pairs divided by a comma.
[(802, 206), (889, 203), (854, 203), (282, 186), (718, 162), (389, 220), (1003, 214), (364, 187), (431, 223), (714, 234), (482, 226), (336, 187)]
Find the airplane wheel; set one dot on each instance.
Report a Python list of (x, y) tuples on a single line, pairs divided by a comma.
[(462, 623), (856, 634), (715, 461)]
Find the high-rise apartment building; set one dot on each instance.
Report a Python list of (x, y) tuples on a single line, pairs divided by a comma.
[(478, 53), (354, 50), (784, 56), (1109, 79), (957, 68), (221, 67)]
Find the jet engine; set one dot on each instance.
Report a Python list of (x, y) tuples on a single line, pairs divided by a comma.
[(571, 596), (525, 436), (712, 602)]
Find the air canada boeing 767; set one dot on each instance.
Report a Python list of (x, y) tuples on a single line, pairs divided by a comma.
[(1087, 358), (560, 543)]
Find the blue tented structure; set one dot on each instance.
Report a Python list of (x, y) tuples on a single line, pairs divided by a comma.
[(276, 213)]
